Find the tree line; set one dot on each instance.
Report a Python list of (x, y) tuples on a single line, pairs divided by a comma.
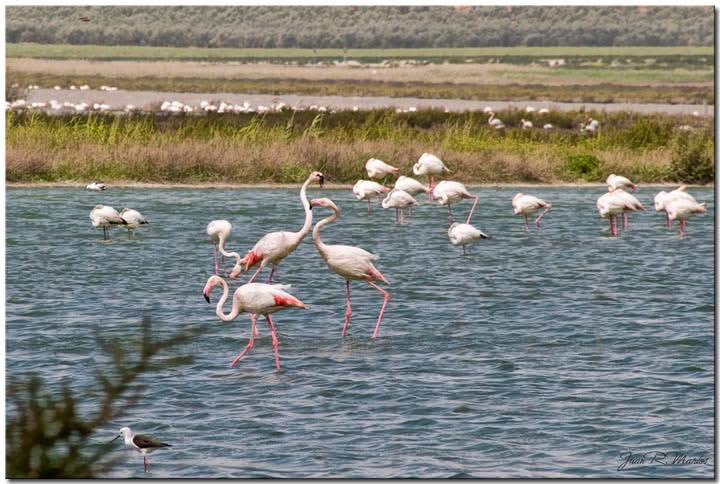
[(368, 27)]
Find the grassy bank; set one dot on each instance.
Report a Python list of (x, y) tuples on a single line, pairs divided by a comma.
[(283, 147)]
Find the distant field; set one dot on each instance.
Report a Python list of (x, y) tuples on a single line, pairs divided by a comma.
[(671, 55)]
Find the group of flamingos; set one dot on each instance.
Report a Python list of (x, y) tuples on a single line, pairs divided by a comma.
[(354, 263)]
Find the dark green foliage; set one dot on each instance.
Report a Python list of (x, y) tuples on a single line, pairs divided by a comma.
[(586, 167), (47, 437), (361, 27), (693, 158)]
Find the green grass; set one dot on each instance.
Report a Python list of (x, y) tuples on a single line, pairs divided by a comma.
[(703, 55), (277, 147)]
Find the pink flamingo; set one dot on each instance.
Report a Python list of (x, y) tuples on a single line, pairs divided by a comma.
[(399, 200), (366, 189), (411, 186), (464, 234), (430, 165), (219, 231), (632, 204), (379, 169), (254, 298), (663, 198), (681, 209), (527, 205), (615, 181), (610, 205), (352, 263), (449, 192), (275, 246)]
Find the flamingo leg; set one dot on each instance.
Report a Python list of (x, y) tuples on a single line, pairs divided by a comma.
[(616, 232), (537, 220), (463, 249), (527, 229), (410, 211), (396, 215), (386, 297), (667, 217), (432, 185), (683, 224), (255, 275), (626, 222), (348, 310), (271, 273), (253, 330), (105, 235), (402, 216), (472, 209), (217, 269), (450, 214), (369, 205), (275, 342)]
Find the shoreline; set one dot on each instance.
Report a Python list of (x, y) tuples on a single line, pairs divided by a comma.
[(328, 186)]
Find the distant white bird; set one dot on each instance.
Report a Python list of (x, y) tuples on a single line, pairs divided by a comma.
[(544, 111), (591, 127), (529, 109), (526, 124), (495, 122), (379, 169), (399, 200), (464, 234), (142, 443), (95, 187), (133, 218), (366, 189), (527, 205), (105, 216), (431, 166), (663, 198), (681, 209), (449, 192), (547, 126), (615, 181)]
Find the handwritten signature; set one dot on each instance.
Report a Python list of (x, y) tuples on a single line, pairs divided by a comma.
[(660, 458)]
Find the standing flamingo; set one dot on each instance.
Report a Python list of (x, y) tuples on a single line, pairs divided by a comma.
[(254, 298), (616, 181), (366, 189), (464, 234), (681, 209), (411, 186), (219, 231), (133, 218), (495, 122), (379, 169), (275, 246), (527, 205), (432, 166), (399, 200), (632, 204), (351, 263), (612, 204), (105, 216), (663, 198), (449, 192)]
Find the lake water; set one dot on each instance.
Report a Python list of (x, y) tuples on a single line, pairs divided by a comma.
[(553, 353)]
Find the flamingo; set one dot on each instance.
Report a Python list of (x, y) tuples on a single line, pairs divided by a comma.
[(366, 189), (527, 204), (592, 126), (526, 124), (616, 181), (399, 200), (142, 443), (95, 187), (133, 218), (681, 209), (614, 203), (219, 231), (449, 192), (379, 169), (254, 298), (663, 198), (631, 205), (547, 126), (275, 246), (430, 165), (411, 186), (351, 263), (495, 122), (464, 234), (105, 216)]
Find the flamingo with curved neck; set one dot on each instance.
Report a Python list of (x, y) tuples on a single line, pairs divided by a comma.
[(275, 246), (351, 263), (219, 231)]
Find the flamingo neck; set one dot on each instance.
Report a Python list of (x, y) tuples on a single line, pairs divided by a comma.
[(219, 308), (221, 247), (300, 235), (322, 248)]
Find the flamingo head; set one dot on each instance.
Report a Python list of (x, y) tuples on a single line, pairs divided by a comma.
[(325, 203), (659, 201), (318, 177), (211, 282)]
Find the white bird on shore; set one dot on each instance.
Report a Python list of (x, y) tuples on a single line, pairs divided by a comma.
[(399, 200), (465, 234), (379, 169), (95, 187), (105, 216), (366, 189), (495, 122), (526, 124)]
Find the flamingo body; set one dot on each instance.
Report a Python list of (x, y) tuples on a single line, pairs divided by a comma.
[(95, 187), (133, 218), (379, 169), (105, 216), (526, 205), (465, 234), (219, 231), (681, 209), (431, 166), (399, 200), (410, 185), (615, 181)]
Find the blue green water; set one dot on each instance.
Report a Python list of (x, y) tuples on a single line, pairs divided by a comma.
[(553, 353)]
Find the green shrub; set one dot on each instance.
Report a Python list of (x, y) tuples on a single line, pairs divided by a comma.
[(586, 167), (693, 158)]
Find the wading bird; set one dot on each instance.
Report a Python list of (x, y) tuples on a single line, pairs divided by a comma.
[(450, 192), (663, 198), (95, 187), (616, 181), (254, 298), (105, 216), (351, 263), (527, 205), (379, 169), (133, 218), (465, 234), (614, 203), (411, 186), (399, 200), (275, 246), (142, 443), (681, 209), (495, 122), (431, 166), (366, 189), (219, 231), (632, 204)]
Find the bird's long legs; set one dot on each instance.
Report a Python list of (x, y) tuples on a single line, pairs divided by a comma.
[(274, 341), (537, 220), (255, 275), (271, 273), (472, 209), (432, 186), (105, 234), (348, 310), (626, 222), (386, 297), (146, 462), (217, 269), (250, 344), (683, 225), (369, 211), (450, 214), (527, 229), (669, 222)]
